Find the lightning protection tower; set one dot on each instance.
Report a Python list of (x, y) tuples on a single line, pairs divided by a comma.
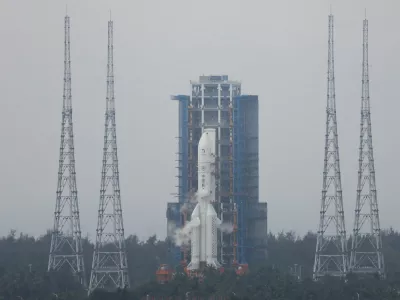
[(110, 267), (66, 243), (366, 251), (331, 248)]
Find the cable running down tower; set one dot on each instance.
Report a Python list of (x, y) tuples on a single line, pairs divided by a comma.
[(366, 251), (331, 248), (109, 267), (66, 243)]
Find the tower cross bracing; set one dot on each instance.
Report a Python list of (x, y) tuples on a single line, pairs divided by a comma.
[(366, 251), (66, 244), (110, 266), (331, 248)]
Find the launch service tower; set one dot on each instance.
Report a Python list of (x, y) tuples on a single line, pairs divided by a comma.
[(216, 103)]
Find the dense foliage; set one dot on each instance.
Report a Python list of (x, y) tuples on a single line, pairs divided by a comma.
[(23, 263)]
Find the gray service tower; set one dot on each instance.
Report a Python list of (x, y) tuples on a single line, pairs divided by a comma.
[(217, 102)]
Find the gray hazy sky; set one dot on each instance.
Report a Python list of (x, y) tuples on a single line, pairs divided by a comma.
[(278, 49)]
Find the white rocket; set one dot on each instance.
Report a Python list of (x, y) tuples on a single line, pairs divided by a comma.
[(204, 221)]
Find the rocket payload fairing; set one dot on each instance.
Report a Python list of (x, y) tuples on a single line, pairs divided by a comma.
[(204, 221)]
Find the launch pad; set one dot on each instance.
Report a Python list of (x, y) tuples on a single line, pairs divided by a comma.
[(199, 273), (165, 273)]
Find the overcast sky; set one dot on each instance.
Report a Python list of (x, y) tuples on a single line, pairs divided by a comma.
[(278, 49)]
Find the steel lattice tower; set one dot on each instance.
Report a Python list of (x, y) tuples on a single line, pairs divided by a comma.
[(110, 267), (66, 243), (366, 253), (331, 249)]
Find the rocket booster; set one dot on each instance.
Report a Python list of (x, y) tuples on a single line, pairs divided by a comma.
[(204, 221)]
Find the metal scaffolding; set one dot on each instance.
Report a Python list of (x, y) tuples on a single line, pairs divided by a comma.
[(66, 243), (366, 251), (331, 248), (212, 105), (110, 266)]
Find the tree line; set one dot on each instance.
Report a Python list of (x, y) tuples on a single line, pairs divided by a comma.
[(23, 273)]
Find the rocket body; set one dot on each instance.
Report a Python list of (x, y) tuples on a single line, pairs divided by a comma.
[(204, 221)]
